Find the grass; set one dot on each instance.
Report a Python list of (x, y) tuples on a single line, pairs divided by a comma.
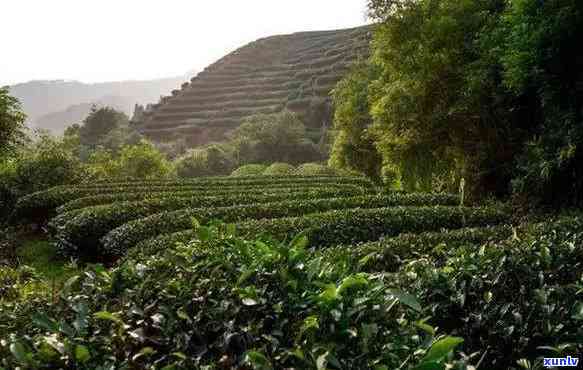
[(42, 256), (36, 269)]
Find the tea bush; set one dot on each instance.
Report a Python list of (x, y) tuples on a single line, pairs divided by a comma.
[(314, 169), (84, 229), (221, 302), (41, 205), (352, 225), (249, 170), (103, 199), (119, 240), (279, 169)]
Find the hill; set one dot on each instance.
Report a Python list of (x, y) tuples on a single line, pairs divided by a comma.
[(295, 72), (47, 102), (57, 121)]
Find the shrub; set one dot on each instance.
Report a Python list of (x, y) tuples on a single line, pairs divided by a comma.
[(387, 255), (143, 161), (94, 200), (192, 164), (119, 240), (249, 170), (240, 304), (279, 169), (353, 225), (41, 205), (314, 169), (86, 227)]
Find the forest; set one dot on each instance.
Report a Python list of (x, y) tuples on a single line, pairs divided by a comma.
[(435, 224)]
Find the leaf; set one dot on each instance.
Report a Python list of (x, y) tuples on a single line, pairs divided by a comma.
[(322, 361), (104, 315), (245, 275), (406, 299), (310, 322), (425, 327), (258, 360), (180, 355), (249, 301), (358, 280), (440, 349), (42, 321), (69, 284), (204, 233), (19, 352), (146, 351), (300, 241), (82, 353), (329, 294)]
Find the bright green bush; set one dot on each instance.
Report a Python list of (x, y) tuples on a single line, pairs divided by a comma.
[(314, 169), (143, 161), (121, 239), (249, 170), (279, 169)]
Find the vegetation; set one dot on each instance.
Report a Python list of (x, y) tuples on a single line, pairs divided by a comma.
[(249, 170), (464, 89), (253, 254), (11, 121), (279, 169)]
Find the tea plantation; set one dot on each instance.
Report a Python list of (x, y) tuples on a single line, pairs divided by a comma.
[(294, 272)]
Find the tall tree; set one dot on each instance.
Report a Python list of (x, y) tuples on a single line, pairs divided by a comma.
[(99, 123), (12, 120)]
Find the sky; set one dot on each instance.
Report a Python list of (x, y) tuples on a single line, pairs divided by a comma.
[(112, 40)]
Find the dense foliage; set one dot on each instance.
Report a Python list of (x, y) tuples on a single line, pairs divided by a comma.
[(11, 121), (224, 301), (488, 91)]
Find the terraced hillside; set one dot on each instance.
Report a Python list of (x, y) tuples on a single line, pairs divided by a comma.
[(295, 72)]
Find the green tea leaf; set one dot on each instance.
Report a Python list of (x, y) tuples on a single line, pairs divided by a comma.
[(82, 353), (440, 349)]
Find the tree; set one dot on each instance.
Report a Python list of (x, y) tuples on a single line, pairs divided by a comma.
[(99, 123), (12, 121), (543, 68), (354, 147), (268, 138), (143, 161)]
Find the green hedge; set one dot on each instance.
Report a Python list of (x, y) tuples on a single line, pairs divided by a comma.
[(41, 205), (220, 179), (279, 169), (86, 227), (103, 199), (315, 169), (71, 209), (387, 255), (119, 240), (353, 225), (249, 170)]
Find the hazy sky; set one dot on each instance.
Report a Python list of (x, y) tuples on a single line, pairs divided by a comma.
[(109, 40)]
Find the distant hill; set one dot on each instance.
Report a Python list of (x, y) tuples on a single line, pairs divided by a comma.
[(56, 122), (295, 72), (48, 102)]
